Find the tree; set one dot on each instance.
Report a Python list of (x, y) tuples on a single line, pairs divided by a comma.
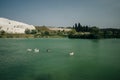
[(76, 27), (46, 33), (86, 29), (2, 32), (108, 34), (72, 32), (33, 31), (27, 31), (73, 27), (95, 33), (79, 27), (94, 30)]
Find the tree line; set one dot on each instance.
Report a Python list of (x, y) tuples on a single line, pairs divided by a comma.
[(93, 32)]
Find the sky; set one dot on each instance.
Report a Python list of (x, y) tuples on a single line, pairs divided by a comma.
[(63, 13)]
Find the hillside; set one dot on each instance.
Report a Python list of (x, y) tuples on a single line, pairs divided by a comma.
[(11, 26)]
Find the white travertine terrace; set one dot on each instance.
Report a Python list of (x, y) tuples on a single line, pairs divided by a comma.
[(11, 26)]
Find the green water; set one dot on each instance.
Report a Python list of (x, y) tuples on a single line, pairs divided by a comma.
[(93, 59)]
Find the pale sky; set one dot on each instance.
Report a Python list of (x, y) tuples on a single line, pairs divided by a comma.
[(63, 13)]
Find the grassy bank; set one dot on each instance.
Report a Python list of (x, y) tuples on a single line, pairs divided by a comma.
[(30, 36), (17, 36)]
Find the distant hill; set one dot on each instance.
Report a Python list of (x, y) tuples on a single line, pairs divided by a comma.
[(11, 26)]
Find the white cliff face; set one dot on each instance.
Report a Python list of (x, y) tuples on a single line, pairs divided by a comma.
[(10, 26)]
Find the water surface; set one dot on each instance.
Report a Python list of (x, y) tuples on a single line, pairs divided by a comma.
[(93, 59)]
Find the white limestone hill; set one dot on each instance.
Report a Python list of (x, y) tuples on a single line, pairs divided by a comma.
[(11, 26)]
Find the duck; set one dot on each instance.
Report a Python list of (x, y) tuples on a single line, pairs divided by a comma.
[(48, 50), (29, 49), (71, 54), (36, 50)]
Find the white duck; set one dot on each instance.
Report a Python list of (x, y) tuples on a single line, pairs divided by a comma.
[(29, 49), (36, 50), (71, 54)]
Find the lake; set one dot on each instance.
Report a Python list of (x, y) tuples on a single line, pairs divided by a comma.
[(92, 59)]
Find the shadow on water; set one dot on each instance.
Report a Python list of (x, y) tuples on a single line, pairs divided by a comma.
[(43, 77), (12, 73)]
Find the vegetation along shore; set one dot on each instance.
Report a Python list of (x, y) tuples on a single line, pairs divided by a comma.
[(76, 32)]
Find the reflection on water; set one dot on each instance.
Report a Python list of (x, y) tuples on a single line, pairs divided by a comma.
[(92, 59)]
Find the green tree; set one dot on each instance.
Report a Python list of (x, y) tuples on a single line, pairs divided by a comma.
[(95, 33), (46, 33), (2, 32), (108, 34), (33, 31), (76, 27), (27, 31), (73, 27), (73, 31), (94, 30), (86, 29), (79, 27)]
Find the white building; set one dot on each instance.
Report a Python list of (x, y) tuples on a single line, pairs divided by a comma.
[(10, 26)]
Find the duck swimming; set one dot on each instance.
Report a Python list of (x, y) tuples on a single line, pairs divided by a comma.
[(36, 50), (29, 49), (71, 54)]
